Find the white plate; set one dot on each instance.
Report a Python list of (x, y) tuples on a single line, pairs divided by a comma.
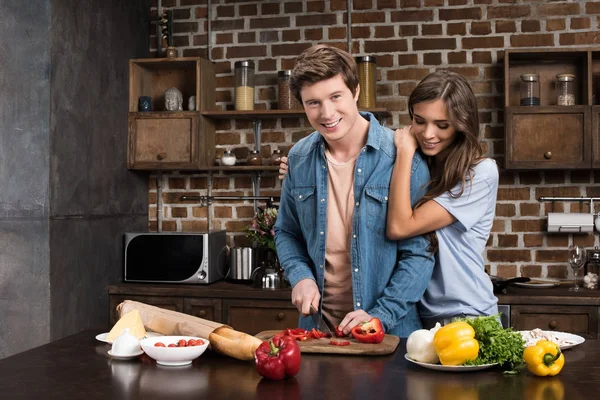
[(454, 368), (120, 357), (561, 336), (102, 337), (546, 283)]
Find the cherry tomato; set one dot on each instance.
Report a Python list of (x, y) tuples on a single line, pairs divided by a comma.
[(159, 344), (182, 343), (199, 342), (192, 342), (172, 345)]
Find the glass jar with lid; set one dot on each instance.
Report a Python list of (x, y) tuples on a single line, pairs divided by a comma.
[(366, 77), (530, 90), (254, 158), (565, 90), (287, 100), (228, 158), (244, 85), (592, 269)]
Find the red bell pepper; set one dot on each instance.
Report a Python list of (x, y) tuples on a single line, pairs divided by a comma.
[(278, 358), (369, 332)]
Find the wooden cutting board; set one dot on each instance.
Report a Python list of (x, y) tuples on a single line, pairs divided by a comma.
[(388, 346)]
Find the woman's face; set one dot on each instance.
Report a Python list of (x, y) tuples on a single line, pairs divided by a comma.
[(432, 127)]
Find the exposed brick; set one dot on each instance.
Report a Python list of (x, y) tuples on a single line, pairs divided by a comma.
[(176, 183), (592, 8), (485, 43), (316, 19), (529, 209), (557, 271), (224, 38), (358, 32), (555, 25), (270, 23), (225, 11), (460, 14), (169, 226), (288, 49), (579, 38), (531, 271), (433, 3), (580, 23), (532, 40), (385, 46), (227, 25), (269, 8), (432, 58), (550, 255), (533, 240), (403, 3), (453, 3), (201, 13), (482, 57), (506, 271), (368, 18), (246, 37), (530, 26), (506, 255), (508, 12), (459, 28), (408, 30), (528, 225), (292, 35), (434, 44), (179, 212), (431, 29), (194, 226), (337, 5), (508, 240), (406, 88), (235, 226), (457, 58), (362, 4), (315, 6), (549, 10), (584, 240), (247, 10), (566, 191), (513, 193), (415, 74), (317, 34), (181, 13), (185, 27), (384, 31), (505, 210), (481, 28), (413, 16), (505, 26)]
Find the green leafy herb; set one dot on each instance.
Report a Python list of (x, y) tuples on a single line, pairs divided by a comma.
[(496, 344)]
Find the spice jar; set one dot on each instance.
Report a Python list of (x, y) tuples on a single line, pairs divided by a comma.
[(366, 77), (287, 101), (565, 89), (592, 269), (228, 158), (276, 157), (530, 90), (254, 158), (244, 85)]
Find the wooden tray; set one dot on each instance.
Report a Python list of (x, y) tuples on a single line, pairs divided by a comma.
[(388, 346)]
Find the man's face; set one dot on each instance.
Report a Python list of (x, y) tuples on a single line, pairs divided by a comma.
[(330, 108)]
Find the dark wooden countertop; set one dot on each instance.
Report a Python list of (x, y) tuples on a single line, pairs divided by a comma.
[(225, 289), (78, 367)]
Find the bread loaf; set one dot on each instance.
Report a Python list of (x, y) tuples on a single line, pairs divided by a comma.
[(222, 338)]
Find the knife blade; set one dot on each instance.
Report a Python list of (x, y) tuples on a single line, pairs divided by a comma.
[(319, 322)]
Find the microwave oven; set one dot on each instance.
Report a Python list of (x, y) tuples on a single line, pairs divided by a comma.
[(173, 257)]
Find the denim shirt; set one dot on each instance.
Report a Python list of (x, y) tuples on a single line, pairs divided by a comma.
[(388, 277)]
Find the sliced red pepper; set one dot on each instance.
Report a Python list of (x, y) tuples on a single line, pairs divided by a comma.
[(339, 342), (369, 332), (339, 333)]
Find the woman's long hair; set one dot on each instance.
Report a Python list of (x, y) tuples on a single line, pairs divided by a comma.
[(465, 151)]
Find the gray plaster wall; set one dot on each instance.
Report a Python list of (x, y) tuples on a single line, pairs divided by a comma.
[(66, 196)]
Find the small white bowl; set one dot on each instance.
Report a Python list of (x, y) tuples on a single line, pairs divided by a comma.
[(173, 356)]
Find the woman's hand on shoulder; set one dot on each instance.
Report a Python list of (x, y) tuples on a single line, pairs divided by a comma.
[(283, 168), (405, 140)]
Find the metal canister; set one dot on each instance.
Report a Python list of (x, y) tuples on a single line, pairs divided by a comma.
[(367, 70)]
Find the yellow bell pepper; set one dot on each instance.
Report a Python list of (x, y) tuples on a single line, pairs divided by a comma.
[(544, 358), (455, 343)]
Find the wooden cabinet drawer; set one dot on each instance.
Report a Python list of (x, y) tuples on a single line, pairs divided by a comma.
[(209, 309), (253, 316), (580, 320), (169, 303)]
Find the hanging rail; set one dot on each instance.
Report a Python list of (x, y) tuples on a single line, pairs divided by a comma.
[(206, 200), (579, 199)]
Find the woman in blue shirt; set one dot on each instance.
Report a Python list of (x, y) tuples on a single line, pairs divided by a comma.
[(460, 203)]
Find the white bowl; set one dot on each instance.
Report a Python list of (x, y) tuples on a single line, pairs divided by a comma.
[(173, 356)]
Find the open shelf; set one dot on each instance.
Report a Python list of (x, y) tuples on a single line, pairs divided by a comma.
[(261, 114)]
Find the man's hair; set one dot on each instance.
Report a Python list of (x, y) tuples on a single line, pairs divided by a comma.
[(321, 62)]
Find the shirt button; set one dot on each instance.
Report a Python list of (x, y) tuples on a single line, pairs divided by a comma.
[(323, 200), (321, 266), (358, 304), (385, 198), (355, 269), (357, 203), (354, 236), (300, 196), (323, 166), (359, 170), (322, 233)]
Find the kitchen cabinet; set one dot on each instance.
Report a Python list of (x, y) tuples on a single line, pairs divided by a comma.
[(580, 320), (254, 316), (550, 136), (170, 140), (173, 303)]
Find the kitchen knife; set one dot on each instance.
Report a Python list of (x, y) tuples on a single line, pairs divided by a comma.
[(318, 321)]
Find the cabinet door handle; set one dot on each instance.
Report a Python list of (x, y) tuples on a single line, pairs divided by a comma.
[(548, 155), (202, 313), (552, 324), (280, 316), (161, 156)]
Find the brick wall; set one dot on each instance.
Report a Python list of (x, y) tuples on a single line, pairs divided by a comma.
[(410, 39)]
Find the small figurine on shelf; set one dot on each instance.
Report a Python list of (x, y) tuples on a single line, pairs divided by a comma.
[(173, 100), (165, 21), (192, 103)]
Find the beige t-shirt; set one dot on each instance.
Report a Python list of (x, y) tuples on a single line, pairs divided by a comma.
[(337, 293)]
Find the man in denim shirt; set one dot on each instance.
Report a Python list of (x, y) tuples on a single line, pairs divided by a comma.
[(331, 227)]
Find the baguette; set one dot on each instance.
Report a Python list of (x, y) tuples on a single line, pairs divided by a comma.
[(233, 343)]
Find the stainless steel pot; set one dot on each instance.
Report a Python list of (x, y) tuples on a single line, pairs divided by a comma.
[(241, 263)]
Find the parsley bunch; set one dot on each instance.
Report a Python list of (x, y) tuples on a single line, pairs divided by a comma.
[(496, 344)]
